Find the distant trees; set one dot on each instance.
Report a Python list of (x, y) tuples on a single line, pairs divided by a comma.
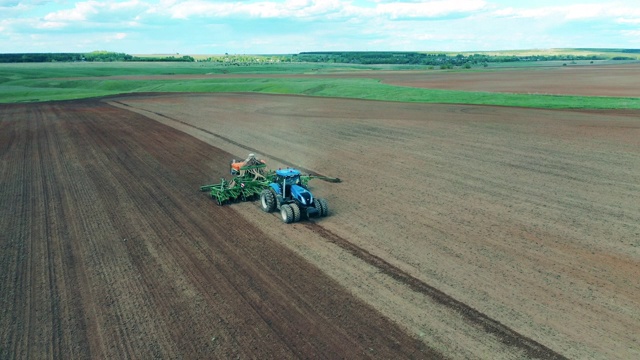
[(106, 56), (243, 59), (98, 56), (184, 58), (23, 58), (441, 60)]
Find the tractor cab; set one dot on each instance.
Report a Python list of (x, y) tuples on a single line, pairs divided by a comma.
[(288, 176), (286, 179)]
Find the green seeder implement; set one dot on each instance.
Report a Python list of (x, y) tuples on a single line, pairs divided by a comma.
[(250, 178), (237, 189)]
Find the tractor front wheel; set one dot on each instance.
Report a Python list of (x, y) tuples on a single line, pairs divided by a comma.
[(267, 200), (296, 212), (286, 212), (322, 206)]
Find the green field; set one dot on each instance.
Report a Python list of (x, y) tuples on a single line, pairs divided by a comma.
[(34, 82)]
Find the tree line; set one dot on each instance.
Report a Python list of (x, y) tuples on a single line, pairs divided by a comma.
[(433, 59), (97, 56), (345, 57)]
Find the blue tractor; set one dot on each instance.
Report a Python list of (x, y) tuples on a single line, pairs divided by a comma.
[(294, 200)]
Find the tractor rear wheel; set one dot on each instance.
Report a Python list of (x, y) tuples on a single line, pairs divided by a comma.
[(267, 200), (286, 212), (296, 212)]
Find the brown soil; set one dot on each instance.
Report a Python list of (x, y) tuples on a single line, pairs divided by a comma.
[(486, 231), (109, 251), (596, 80), (457, 231)]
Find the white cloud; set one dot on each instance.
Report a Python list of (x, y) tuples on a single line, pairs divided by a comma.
[(585, 11), (259, 9), (98, 11), (117, 36), (80, 12), (633, 34), (329, 24), (49, 25), (429, 9), (632, 21), (186, 9), (571, 12), (316, 8)]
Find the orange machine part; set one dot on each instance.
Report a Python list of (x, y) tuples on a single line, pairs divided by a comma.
[(237, 165)]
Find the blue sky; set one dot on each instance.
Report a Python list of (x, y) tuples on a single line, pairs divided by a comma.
[(292, 26)]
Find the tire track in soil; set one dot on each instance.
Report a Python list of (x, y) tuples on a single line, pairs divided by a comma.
[(48, 144), (507, 336), (243, 146), (491, 326), (44, 315)]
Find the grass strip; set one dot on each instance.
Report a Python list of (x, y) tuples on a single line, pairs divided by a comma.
[(45, 89)]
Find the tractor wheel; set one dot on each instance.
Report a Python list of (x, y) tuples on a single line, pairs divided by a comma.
[(296, 212), (267, 201), (286, 212), (322, 206), (318, 206)]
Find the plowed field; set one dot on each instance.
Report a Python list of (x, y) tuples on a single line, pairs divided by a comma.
[(457, 231), (527, 217), (108, 251), (609, 80)]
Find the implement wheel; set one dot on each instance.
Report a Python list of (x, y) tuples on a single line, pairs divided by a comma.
[(267, 201), (286, 213)]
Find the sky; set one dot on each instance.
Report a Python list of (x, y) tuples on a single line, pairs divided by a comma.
[(293, 26)]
